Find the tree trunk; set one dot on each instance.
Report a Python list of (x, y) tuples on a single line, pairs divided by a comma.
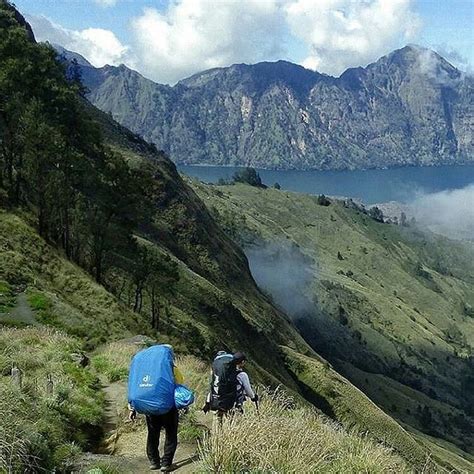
[(138, 299), (66, 233), (155, 315), (98, 266)]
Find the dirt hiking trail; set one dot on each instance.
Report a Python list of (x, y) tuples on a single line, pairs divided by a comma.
[(124, 444), (20, 313)]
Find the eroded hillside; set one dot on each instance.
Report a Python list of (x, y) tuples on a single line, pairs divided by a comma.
[(411, 107)]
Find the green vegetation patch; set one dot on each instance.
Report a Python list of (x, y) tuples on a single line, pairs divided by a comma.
[(384, 298), (113, 360), (52, 408), (43, 309), (7, 297), (352, 408)]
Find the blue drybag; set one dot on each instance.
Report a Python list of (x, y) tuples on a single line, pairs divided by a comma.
[(151, 381), (183, 396)]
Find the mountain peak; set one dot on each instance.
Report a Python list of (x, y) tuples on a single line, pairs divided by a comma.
[(71, 55), (281, 115), (410, 61), (418, 56), (257, 77)]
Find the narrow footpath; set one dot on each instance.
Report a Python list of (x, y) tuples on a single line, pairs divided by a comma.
[(21, 313), (123, 447)]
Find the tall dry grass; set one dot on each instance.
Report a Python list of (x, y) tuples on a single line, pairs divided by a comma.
[(113, 360), (15, 440), (283, 438), (56, 410)]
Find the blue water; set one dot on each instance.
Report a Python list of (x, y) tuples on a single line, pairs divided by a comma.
[(370, 186)]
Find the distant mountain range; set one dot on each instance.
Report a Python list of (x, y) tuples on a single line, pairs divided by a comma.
[(410, 107)]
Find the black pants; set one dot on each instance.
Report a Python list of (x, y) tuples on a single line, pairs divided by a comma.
[(168, 421)]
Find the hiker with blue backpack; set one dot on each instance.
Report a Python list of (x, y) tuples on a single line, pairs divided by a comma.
[(230, 385), (155, 389)]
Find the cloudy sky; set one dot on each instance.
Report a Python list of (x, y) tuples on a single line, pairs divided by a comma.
[(167, 40)]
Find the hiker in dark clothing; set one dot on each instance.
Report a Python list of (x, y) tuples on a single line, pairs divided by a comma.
[(244, 389), (230, 385), (168, 421), (155, 423)]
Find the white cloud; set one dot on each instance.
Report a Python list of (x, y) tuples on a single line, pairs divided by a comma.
[(436, 70), (454, 57), (347, 33), (106, 3), (97, 45), (193, 35), (101, 46)]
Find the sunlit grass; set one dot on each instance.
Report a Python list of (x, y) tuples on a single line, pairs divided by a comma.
[(284, 438)]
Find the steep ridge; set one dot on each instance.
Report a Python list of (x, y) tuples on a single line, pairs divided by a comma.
[(410, 107), (388, 305), (207, 302)]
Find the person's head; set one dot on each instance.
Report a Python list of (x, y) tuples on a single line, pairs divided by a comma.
[(240, 359), (170, 347)]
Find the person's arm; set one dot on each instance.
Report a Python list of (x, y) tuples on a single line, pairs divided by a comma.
[(207, 405), (132, 414), (245, 381), (178, 376)]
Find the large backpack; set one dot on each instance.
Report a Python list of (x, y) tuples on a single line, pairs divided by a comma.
[(223, 382), (151, 381)]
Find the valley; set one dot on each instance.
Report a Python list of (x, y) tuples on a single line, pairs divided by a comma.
[(381, 302), (359, 333)]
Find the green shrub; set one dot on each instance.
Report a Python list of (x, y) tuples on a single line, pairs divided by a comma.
[(16, 437), (248, 176), (113, 360), (65, 457), (189, 428), (113, 374), (43, 308), (38, 301), (322, 200), (103, 468)]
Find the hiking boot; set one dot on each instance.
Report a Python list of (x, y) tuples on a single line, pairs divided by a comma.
[(154, 467)]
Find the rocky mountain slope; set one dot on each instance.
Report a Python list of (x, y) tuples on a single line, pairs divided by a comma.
[(410, 107)]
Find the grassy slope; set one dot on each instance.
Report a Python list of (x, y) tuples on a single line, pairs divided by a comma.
[(391, 311), (72, 300), (58, 408), (203, 315), (285, 435), (89, 306)]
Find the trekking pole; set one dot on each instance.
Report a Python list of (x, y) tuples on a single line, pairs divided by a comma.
[(256, 404)]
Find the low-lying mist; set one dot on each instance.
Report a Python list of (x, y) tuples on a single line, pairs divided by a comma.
[(285, 273), (450, 213)]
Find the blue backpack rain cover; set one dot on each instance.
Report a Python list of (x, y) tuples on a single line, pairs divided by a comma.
[(151, 381), (183, 396)]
